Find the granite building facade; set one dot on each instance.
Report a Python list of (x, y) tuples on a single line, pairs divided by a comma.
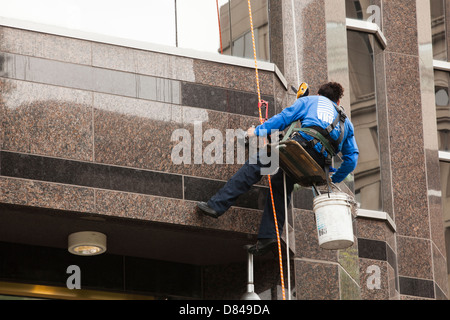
[(86, 143)]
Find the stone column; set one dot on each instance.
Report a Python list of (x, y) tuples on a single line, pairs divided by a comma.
[(315, 46), (414, 161)]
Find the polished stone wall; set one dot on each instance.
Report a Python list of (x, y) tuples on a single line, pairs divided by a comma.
[(86, 128), (96, 119), (416, 210), (400, 255)]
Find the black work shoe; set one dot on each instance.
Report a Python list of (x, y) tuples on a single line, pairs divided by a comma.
[(263, 246), (207, 210)]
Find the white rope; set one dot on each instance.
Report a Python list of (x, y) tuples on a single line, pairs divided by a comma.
[(286, 226), (286, 223), (295, 43)]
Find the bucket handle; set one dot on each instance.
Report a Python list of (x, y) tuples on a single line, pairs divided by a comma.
[(336, 186), (350, 200), (316, 191)]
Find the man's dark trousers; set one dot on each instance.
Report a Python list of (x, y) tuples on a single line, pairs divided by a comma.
[(242, 181), (245, 178)]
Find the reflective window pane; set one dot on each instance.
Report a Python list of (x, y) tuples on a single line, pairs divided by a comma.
[(364, 118), (221, 26), (445, 186), (241, 31), (438, 29), (353, 9), (144, 20), (198, 25), (442, 83), (368, 10)]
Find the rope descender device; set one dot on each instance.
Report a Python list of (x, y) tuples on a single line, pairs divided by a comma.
[(265, 104), (303, 90)]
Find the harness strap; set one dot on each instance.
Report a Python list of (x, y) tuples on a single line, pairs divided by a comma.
[(318, 137), (324, 137)]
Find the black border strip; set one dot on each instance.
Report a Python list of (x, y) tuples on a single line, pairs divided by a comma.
[(92, 175)]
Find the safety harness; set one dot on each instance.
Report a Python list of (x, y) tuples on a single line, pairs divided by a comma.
[(323, 136)]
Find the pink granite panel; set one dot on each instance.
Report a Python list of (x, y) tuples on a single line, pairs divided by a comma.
[(46, 120)]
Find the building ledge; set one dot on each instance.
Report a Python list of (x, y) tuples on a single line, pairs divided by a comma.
[(129, 43), (369, 27), (377, 215)]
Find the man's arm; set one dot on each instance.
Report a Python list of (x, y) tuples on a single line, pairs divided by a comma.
[(282, 120), (350, 154), (251, 132)]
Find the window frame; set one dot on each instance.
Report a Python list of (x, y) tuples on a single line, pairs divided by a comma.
[(440, 65), (374, 29)]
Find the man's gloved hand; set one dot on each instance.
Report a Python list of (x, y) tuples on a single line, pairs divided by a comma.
[(251, 132)]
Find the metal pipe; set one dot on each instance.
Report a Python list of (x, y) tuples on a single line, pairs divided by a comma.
[(250, 294), (286, 227)]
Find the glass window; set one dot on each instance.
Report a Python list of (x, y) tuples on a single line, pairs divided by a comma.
[(445, 185), (243, 46), (438, 28), (361, 47), (442, 82), (441, 90), (143, 20), (198, 25), (228, 31), (368, 10), (353, 9), (204, 25), (241, 32)]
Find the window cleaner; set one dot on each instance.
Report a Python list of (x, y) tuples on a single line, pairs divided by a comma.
[(312, 112)]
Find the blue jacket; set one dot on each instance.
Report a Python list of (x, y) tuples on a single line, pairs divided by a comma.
[(317, 111)]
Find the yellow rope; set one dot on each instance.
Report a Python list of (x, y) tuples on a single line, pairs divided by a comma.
[(270, 181)]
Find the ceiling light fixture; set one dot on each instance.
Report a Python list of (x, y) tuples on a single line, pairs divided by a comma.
[(87, 243)]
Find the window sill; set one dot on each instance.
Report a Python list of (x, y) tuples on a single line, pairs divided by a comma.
[(369, 27), (441, 65), (377, 215)]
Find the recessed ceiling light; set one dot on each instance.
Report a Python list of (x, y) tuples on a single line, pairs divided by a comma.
[(87, 243)]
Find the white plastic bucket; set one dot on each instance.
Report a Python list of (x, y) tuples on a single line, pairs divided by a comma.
[(334, 221)]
